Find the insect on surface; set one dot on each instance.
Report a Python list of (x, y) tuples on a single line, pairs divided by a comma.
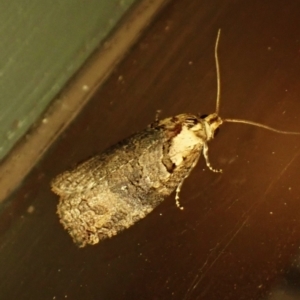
[(113, 190)]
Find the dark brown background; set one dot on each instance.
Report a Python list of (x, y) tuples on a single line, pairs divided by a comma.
[(239, 235)]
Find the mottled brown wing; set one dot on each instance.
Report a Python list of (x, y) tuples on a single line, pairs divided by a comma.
[(111, 191)]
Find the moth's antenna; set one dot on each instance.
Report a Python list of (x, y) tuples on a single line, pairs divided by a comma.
[(219, 93), (218, 73), (260, 125)]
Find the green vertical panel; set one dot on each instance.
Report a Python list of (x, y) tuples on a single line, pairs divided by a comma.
[(42, 44)]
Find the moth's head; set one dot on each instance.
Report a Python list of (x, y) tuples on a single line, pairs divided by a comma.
[(204, 127), (212, 123)]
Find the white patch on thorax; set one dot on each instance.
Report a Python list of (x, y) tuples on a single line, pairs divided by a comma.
[(182, 145)]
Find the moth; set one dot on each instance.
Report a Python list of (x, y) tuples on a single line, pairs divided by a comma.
[(113, 190)]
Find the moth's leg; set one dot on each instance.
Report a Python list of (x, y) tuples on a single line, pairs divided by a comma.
[(158, 112), (205, 153), (178, 189), (156, 121)]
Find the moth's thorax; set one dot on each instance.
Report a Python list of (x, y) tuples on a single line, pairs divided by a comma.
[(203, 128), (185, 134), (183, 143)]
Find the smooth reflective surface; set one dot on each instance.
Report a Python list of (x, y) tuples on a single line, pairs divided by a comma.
[(239, 234)]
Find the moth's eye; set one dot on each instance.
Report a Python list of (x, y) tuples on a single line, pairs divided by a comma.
[(212, 120), (203, 116)]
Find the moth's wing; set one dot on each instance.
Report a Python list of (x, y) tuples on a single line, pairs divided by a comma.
[(81, 178), (99, 214), (93, 172), (108, 193)]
